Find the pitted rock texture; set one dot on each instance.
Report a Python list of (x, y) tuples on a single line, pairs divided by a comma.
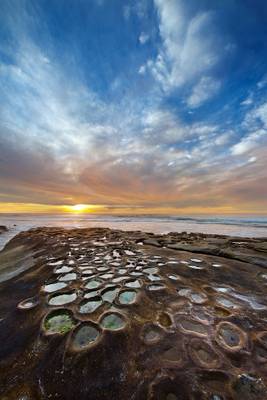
[(103, 314)]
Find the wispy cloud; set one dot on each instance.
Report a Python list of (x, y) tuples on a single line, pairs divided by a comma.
[(206, 88), (69, 138), (189, 45)]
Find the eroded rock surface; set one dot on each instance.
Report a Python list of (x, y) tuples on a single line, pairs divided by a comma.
[(104, 314)]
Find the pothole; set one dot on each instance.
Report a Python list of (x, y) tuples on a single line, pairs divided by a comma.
[(53, 287), (84, 336), (59, 321), (133, 284), (89, 295), (151, 333), (93, 284), (156, 286), (151, 270), (113, 321), (63, 270), (91, 305), (110, 294), (127, 297), (230, 336), (62, 299), (28, 304), (68, 277), (192, 326), (202, 354)]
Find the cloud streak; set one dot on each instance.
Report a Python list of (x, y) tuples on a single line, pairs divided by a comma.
[(65, 140)]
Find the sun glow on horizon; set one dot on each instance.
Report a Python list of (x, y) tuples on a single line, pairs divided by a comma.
[(83, 208), (79, 207)]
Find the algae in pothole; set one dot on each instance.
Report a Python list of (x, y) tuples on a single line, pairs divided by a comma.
[(60, 322), (112, 322)]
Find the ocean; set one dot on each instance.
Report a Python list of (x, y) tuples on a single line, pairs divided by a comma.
[(243, 226)]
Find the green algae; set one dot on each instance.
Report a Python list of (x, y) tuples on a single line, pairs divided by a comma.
[(112, 322), (59, 322)]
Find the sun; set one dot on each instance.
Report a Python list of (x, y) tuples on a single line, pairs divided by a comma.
[(79, 208), (84, 208)]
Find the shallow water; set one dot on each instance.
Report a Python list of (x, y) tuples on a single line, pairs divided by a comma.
[(127, 297), (89, 306), (62, 299), (53, 287), (59, 322), (112, 322), (249, 226), (85, 335)]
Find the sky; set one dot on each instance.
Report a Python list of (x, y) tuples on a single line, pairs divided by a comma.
[(143, 106)]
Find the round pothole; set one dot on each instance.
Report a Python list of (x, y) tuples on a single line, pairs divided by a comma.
[(133, 284), (193, 327), (202, 354), (28, 304), (84, 336), (53, 287), (62, 299), (155, 286), (151, 270), (91, 305), (151, 333), (63, 270), (127, 297), (59, 321), (109, 294), (68, 277), (113, 321), (230, 336), (93, 284)]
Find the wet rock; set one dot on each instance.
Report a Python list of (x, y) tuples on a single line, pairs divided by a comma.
[(3, 229), (247, 387), (91, 314)]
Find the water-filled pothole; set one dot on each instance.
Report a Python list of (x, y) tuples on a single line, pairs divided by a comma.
[(230, 336), (133, 284), (89, 295), (91, 305), (93, 284), (127, 297), (153, 278), (151, 270), (109, 294), (53, 287), (63, 270), (59, 321), (106, 276), (68, 277), (197, 267), (227, 303), (155, 286), (84, 336), (112, 321), (61, 299), (28, 304), (173, 277)]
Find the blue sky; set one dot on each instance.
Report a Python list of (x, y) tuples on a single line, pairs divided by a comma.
[(136, 105)]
